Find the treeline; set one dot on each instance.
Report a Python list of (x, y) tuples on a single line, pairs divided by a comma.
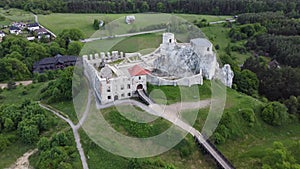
[(275, 22), (17, 54), (275, 84), (285, 49), (216, 7)]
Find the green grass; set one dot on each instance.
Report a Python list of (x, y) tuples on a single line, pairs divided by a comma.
[(13, 152), (218, 35), (209, 18), (67, 108), (15, 15), (18, 95), (138, 43), (101, 159), (56, 22), (247, 147), (174, 94), (132, 128)]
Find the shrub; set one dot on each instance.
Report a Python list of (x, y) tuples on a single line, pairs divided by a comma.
[(248, 115), (218, 138), (275, 114)]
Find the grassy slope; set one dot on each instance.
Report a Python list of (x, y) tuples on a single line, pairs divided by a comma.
[(12, 15), (16, 96), (17, 149), (218, 35), (57, 22), (139, 42)]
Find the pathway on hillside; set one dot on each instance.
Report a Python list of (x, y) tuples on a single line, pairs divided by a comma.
[(36, 18), (122, 35), (74, 128), (24, 83), (172, 114), (23, 162)]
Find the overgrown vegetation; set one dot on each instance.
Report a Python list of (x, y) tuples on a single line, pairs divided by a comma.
[(58, 152)]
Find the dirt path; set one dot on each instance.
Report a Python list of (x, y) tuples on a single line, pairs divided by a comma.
[(23, 162), (24, 83)]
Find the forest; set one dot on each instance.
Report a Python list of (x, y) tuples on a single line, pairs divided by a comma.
[(273, 71), (216, 7)]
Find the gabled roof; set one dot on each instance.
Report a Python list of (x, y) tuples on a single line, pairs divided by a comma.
[(56, 59), (138, 71), (41, 31), (33, 25), (13, 28)]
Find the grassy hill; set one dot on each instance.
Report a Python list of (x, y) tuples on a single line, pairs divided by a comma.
[(57, 22)]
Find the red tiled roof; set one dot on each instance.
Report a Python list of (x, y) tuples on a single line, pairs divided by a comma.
[(137, 71)]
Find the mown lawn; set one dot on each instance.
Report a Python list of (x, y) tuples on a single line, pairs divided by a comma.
[(174, 94), (57, 22), (138, 43)]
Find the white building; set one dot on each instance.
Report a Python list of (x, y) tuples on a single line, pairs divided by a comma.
[(15, 30), (130, 19), (33, 26), (110, 84), (2, 34)]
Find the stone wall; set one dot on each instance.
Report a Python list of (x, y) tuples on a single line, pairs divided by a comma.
[(187, 81)]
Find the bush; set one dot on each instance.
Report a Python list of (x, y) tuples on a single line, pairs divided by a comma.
[(218, 138), (248, 115), (11, 85), (24, 92), (275, 114), (42, 78)]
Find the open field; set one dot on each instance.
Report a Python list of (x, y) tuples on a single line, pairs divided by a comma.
[(139, 42), (57, 22), (12, 15)]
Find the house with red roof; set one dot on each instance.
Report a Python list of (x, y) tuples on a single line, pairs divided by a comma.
[(111, 84)]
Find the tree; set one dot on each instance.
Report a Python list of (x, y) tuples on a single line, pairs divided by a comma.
[(13, 69), (292, 104), (275, 114), (56, 49), (279, 157), (36, 51), (160, 7), (72, 34), (43, 144), (96, 24), (74, 48), (247, 82), (144, 7), (28, 131), (15, 55)]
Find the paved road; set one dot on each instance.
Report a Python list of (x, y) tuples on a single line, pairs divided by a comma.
[(121, 36), (219, 22)]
